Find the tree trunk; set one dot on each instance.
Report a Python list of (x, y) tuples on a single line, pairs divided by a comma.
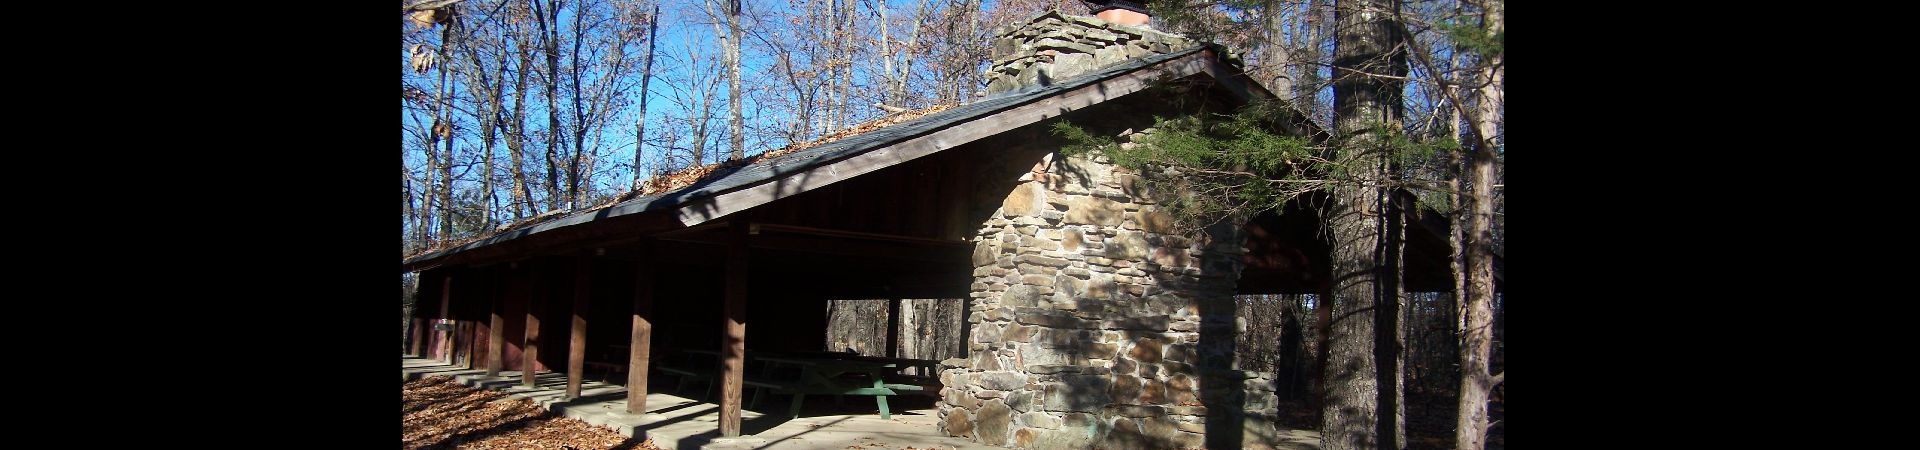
[(886, 54), (843, 32), (735, 127), (1477, 334), (1323, 324), (416, 221), (1351, 420), (897, 94), (516, 137), (579, 115), (1456, 241), (836, 48), (895, 84), (1287, 371), (1456, 238), (700, 129), (1390, 348), (489, 89), (486, 178), (965, 77), (446, 167), (1307, 73), (1367, 44), (446, 188), (1278, 53), (428, 197), (408, 214), (646, 76), (550, 40), (443, 118)]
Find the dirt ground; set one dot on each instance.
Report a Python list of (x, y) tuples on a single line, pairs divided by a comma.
[(1429, 422), (440, 414)]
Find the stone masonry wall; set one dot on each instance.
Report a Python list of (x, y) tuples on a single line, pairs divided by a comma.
[(1087, 317), (1053, 46)]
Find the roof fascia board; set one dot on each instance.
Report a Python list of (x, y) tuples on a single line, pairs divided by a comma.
[(740, 199)]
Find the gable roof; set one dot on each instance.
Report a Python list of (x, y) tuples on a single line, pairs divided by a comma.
[(731, 189)]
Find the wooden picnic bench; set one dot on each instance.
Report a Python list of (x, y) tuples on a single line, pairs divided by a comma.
[(704, 366), (803, 374), (693, 365), (828, 376), (607, 369), (926, 372), (611, 360)]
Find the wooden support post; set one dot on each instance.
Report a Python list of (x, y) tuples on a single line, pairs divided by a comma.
[(497, 325), (733, 344), (419, 335), (530, 347), (893, 327), (1323, 309), (446, 337), (577, 347), (642, 342), (468, 329)]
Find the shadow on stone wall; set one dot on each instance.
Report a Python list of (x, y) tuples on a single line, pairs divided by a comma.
[(1093, 323)]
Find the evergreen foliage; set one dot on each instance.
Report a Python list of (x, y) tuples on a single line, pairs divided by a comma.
[(1232, 166), (1475, 38)]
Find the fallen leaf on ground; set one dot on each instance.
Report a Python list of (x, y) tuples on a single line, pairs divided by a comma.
[(438, 413)]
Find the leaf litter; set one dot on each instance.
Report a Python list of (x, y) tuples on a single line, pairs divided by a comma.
[(438, 413)]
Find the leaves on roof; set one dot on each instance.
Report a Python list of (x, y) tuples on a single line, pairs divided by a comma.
[(687, 177)]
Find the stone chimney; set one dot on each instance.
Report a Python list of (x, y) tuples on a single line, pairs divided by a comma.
[(1052, 46), (1122, 12), (1093, 320)]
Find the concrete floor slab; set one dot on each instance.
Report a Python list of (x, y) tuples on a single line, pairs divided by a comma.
[(680, 423)]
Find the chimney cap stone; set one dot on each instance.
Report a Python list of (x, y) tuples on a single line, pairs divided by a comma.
[(1103, 5)]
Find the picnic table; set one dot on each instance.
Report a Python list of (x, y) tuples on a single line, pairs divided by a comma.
[(821, 376), (801, 375), (608, 362)]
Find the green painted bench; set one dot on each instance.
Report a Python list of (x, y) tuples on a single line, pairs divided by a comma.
[(803, 375), (824, 376)]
